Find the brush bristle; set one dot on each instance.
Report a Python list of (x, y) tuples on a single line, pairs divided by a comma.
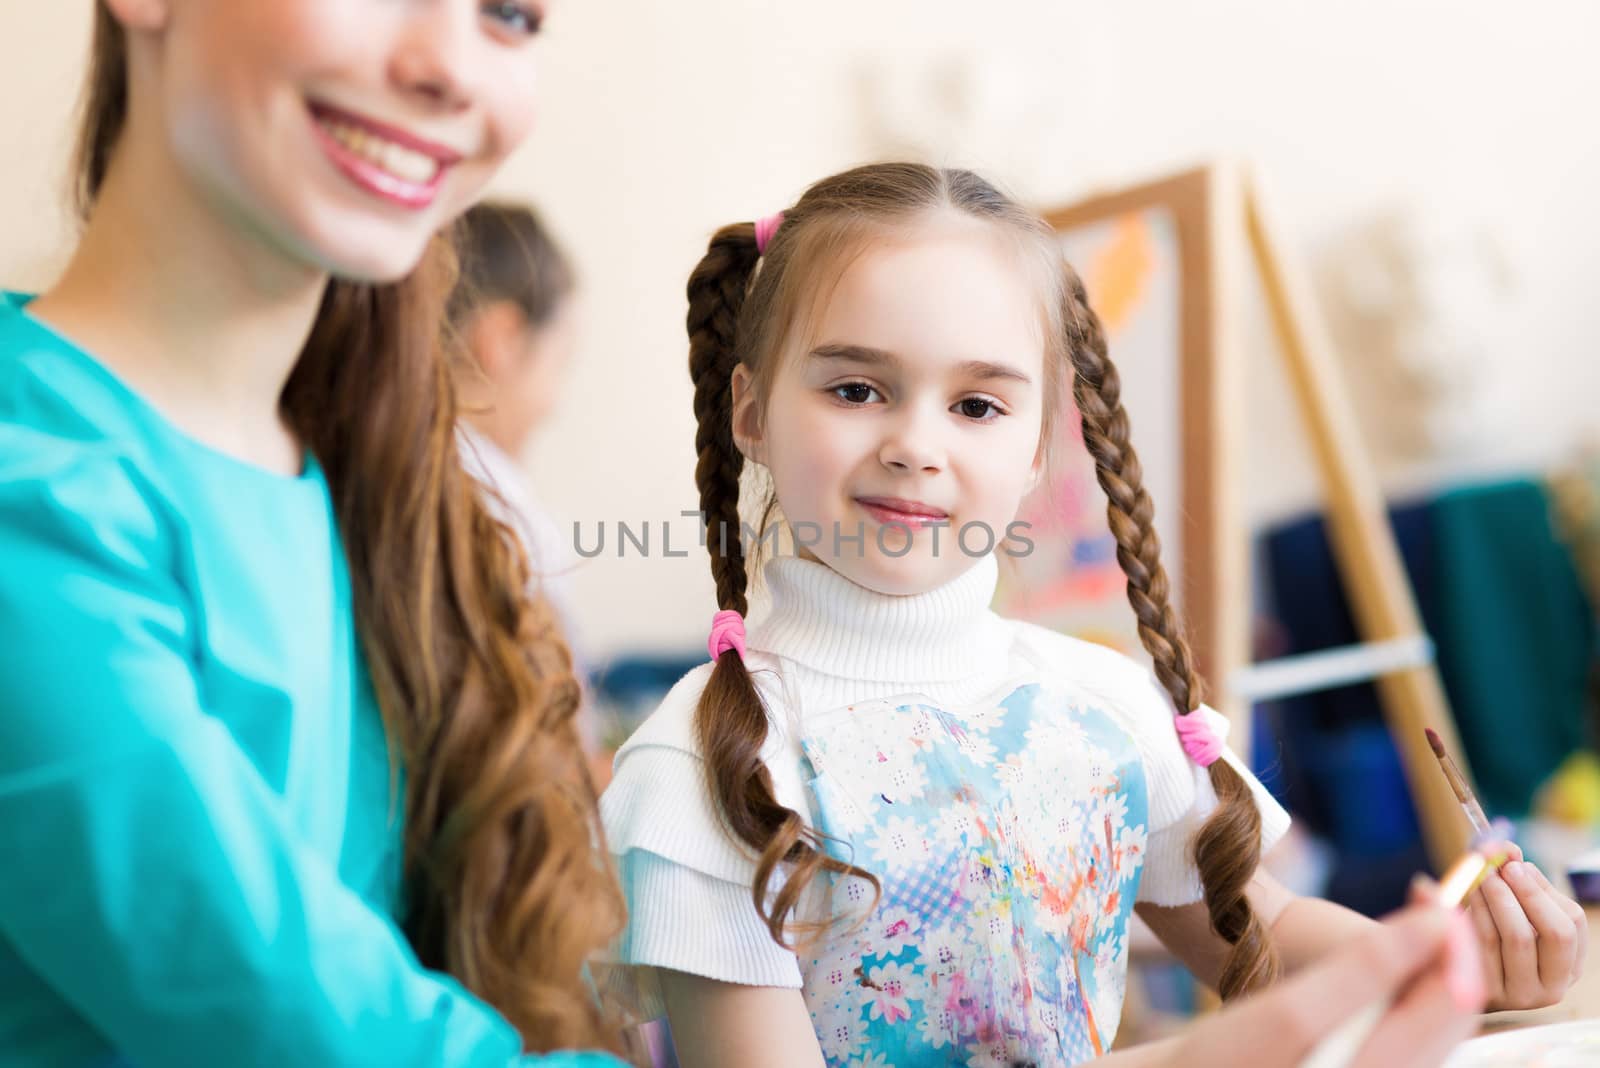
[(1433, 740)]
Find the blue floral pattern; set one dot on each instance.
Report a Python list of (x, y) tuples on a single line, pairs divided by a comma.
[(1009, 839)]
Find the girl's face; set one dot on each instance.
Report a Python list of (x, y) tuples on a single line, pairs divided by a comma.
[(903, 434), (342, 132)]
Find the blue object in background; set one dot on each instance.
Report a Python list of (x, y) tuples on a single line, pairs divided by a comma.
[(1515, 633), (1338, 771)]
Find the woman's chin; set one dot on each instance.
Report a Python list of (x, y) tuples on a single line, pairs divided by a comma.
[(370, 251), (370, 265)]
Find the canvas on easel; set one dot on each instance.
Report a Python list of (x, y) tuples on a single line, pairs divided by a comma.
[(1165, 264)]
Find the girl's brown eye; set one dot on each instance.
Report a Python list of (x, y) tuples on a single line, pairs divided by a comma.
[(977, 408), (854, 392)]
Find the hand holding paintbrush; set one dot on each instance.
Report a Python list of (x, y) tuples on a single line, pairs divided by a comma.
[(1533, 938)]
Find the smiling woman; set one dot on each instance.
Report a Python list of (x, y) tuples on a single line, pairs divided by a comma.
[(288, 770), (287, 115)]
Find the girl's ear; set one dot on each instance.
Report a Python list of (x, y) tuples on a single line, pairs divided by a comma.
[(747, 432), (140, 15)]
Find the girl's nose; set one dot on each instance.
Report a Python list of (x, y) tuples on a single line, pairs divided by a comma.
[(913, 444)]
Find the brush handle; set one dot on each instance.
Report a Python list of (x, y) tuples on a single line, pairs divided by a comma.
[(1475, 813), (1341, 1047)]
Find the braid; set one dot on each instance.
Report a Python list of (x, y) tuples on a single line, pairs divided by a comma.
[(731, 721), (716, 296), (1228, 846)]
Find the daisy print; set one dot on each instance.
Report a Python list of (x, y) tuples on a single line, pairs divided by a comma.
[(957, 825), (984, 717), (943, 949), (1130, 850), (901, 844), (938, 1026), (831, 978), (901, 779), (887, 989), (1017, 771), (924, 728), (840, 1030), (1004, 1051), (1113, 808), (876, 1060), (975, 747), (892, 930), (1056, 734), (1102, 770)]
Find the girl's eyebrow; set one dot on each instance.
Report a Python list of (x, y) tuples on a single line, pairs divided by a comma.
[(984, 370)]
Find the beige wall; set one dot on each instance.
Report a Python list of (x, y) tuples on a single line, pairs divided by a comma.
[(661, 121)]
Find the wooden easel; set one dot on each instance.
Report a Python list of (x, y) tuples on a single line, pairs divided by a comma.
[(1223, 219)]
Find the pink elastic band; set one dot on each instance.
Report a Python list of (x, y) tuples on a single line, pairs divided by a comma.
[(727, 632), (1199, 740), (765, 228)]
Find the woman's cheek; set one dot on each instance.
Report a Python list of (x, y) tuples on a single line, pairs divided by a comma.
[(516, 106)]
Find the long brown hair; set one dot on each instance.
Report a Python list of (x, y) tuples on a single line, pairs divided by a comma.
[(743, 308), (507, 883)]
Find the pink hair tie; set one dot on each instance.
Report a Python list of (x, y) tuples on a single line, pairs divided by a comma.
[(765, 228), (1199, 740), (727, 632)]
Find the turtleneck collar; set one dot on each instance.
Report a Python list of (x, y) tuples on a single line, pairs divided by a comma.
[(822, 620)]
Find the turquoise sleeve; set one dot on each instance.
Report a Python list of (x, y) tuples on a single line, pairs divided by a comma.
[(151, 877)]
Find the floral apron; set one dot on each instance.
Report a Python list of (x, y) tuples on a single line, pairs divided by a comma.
[(1009, 839)]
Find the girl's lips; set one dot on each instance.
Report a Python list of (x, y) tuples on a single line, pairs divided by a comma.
[(907, 513), (370, 175)]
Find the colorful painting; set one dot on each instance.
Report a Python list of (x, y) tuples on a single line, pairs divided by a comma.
[(1070, 580)]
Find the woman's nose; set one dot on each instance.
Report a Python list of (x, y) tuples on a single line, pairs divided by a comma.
[(432, 58)]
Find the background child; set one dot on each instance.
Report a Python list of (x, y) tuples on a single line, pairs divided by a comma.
[(288, 773), (513, 310), (976, 803)]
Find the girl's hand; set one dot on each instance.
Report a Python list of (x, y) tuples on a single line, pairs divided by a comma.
[(1533, 939)]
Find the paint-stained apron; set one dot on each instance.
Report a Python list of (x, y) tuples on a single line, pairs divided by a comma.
[(1009, 838)]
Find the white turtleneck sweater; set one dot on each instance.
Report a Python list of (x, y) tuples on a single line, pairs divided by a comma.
[(827, 643)]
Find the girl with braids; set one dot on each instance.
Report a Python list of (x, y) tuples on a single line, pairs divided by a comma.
[(288, 772), (890, 827)]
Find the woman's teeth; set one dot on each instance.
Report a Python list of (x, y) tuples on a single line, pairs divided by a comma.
[(402, 162)]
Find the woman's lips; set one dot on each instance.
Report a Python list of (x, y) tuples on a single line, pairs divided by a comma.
[(907, 513), (385, 161)]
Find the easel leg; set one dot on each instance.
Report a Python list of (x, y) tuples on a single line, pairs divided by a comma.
[(1362, 540)]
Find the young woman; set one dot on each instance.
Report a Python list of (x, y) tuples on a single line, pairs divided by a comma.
[(288, 773)]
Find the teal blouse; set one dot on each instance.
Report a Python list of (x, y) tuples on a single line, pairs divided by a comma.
[(200, 837)]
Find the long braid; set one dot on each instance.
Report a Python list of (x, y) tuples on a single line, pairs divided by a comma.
[(716, 296), (1228, 846), (731, 721)]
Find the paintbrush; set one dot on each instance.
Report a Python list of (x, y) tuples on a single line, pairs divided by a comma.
[(1458, 783)]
